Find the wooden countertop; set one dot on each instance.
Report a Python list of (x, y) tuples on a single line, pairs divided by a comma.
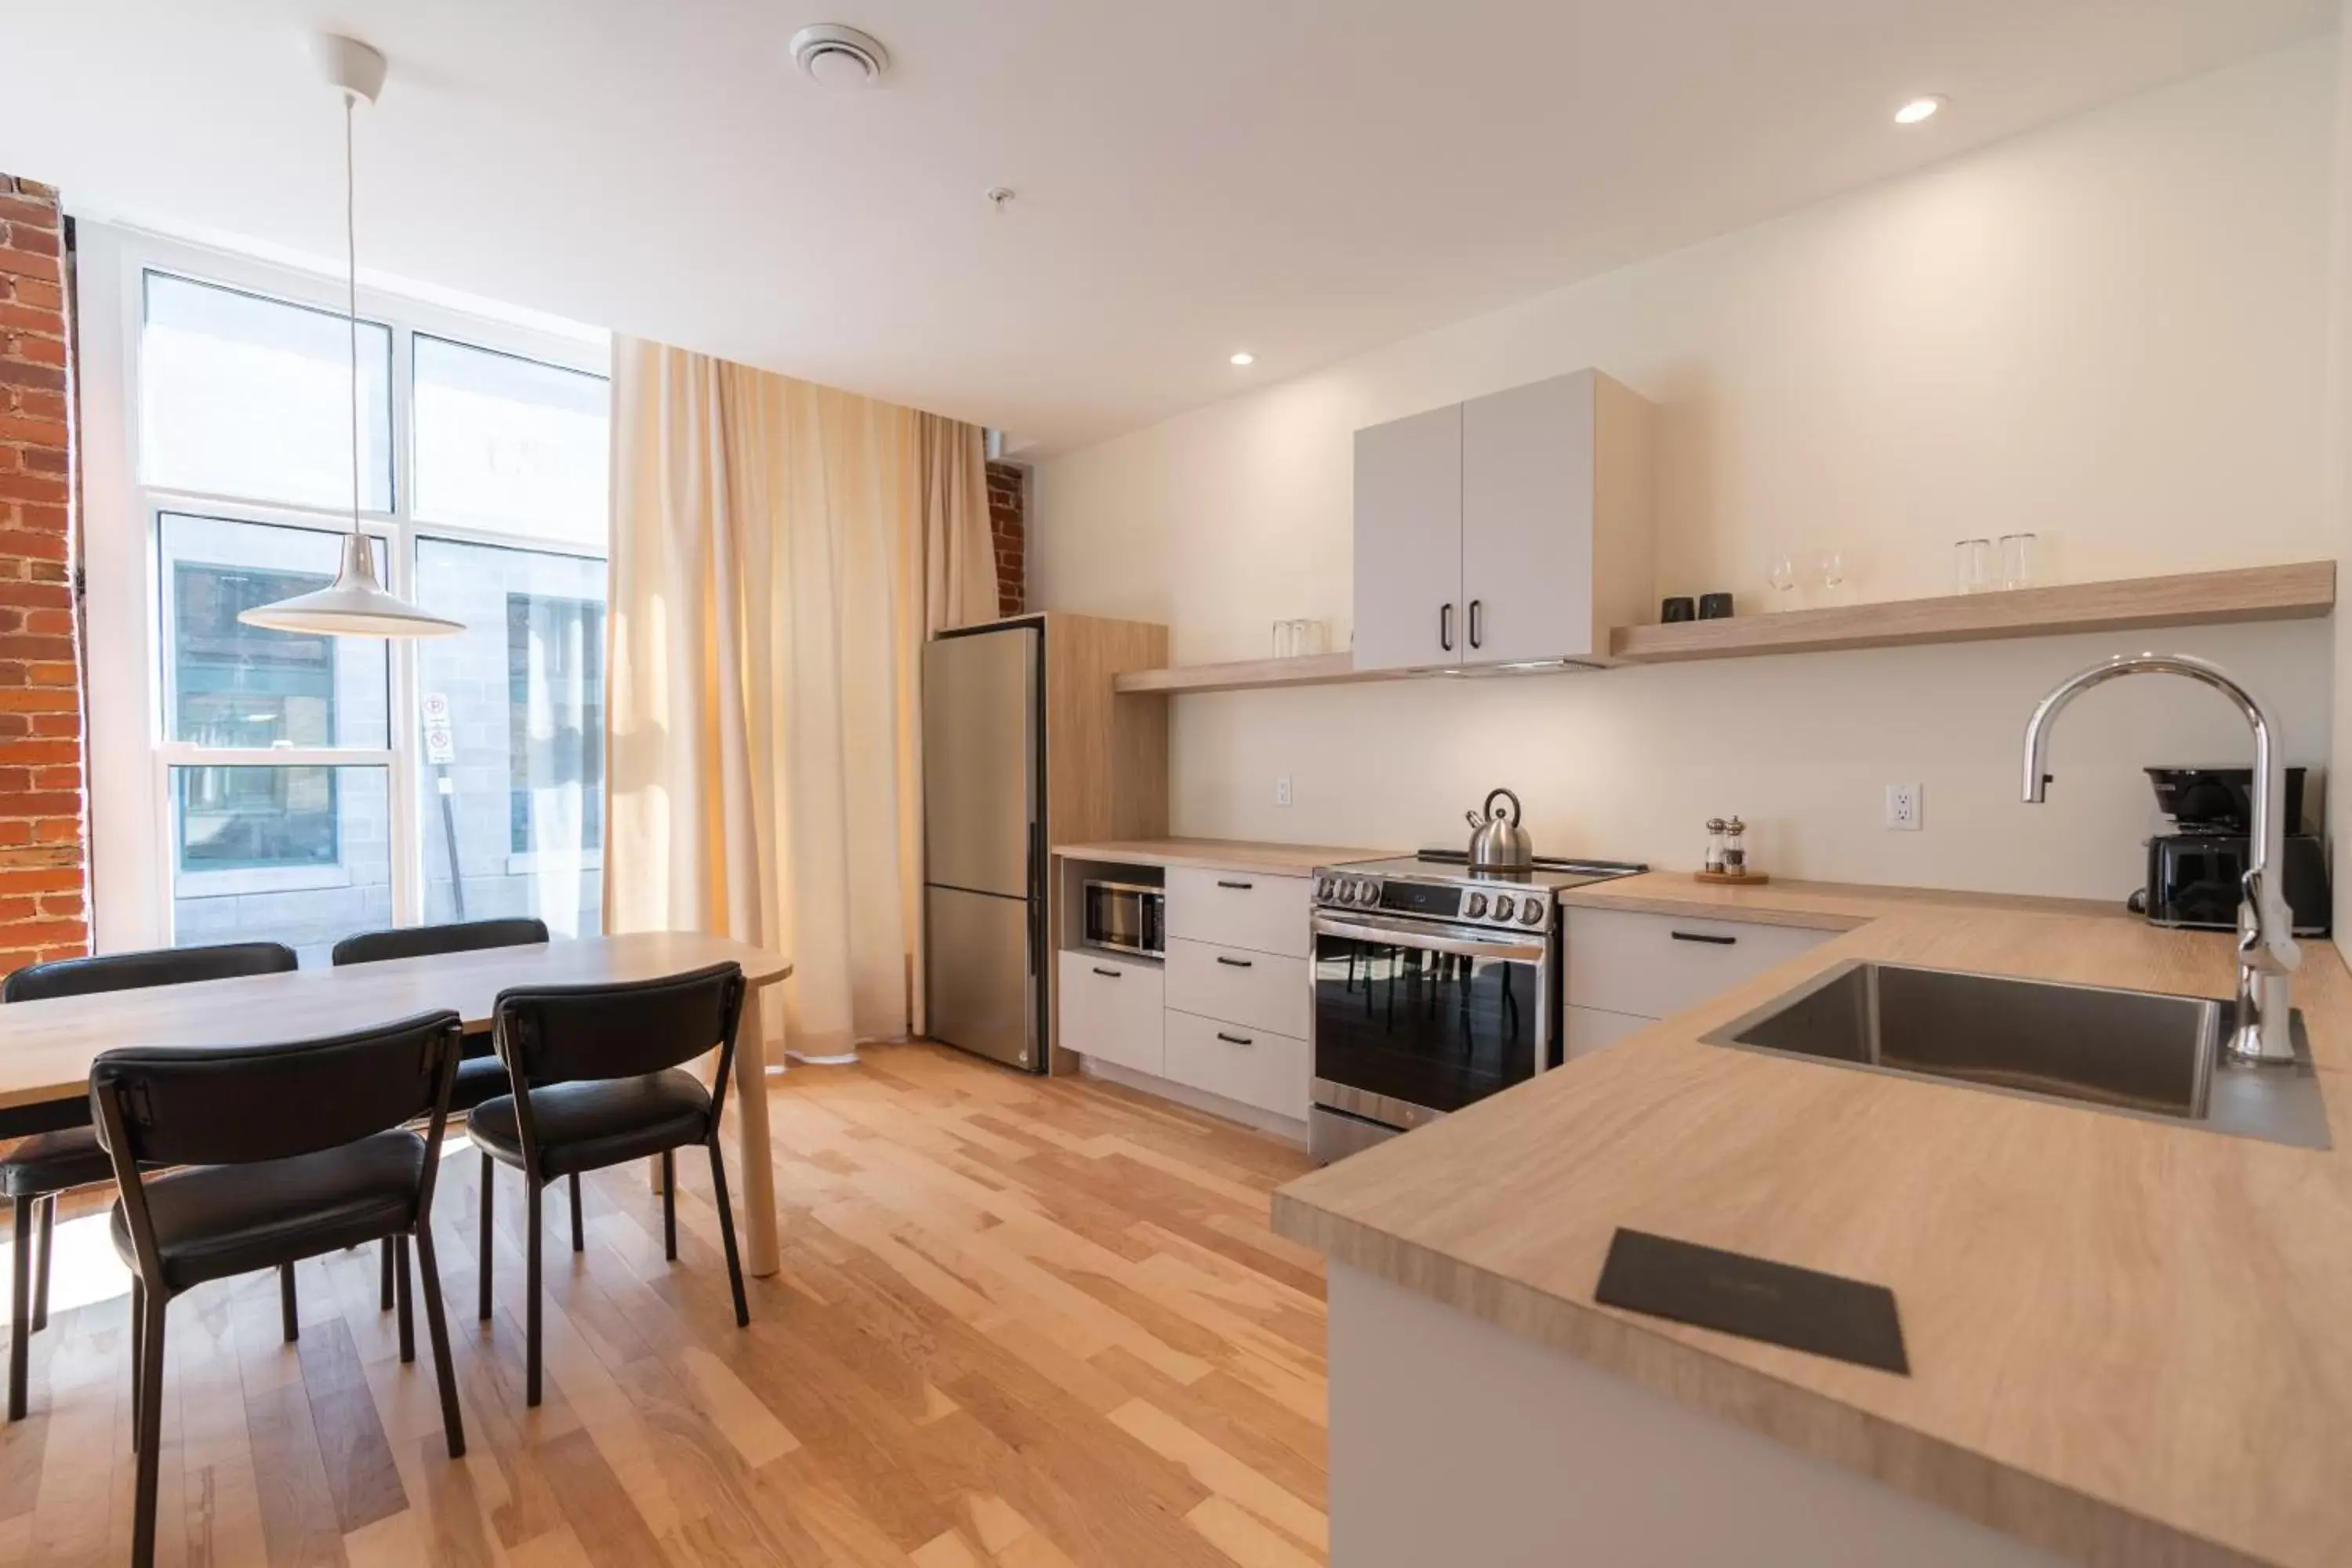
[(1220, 855), (1822, 906), (2131, 1341)]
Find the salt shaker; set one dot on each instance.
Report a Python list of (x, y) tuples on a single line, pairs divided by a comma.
[(1714, 862), (1735, 848)]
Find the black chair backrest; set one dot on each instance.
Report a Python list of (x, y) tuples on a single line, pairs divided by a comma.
[(137, 970), (232, 1105), (420, 942), (556, 1034)]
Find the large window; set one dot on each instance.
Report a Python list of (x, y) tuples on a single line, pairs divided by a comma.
[(301, 792)]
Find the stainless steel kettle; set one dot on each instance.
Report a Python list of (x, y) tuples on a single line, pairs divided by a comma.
[(1499, 843)]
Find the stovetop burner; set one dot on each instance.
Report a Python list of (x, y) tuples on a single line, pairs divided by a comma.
[(1452, 867)]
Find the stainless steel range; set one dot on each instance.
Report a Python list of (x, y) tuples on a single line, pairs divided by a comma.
[(1434, 986)]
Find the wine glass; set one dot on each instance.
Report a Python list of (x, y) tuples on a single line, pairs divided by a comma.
[(1781, 570), (1830, 565)]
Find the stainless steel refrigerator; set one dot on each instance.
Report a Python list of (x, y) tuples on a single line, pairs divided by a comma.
[(984, 841)]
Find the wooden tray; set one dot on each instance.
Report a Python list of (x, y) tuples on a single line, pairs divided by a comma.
[(1746, 880)]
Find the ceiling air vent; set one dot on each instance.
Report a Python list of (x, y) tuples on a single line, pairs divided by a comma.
[(836, 56)]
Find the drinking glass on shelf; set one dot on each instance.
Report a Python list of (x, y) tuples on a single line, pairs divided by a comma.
[(1285, 638), (1972, 565), (2017, 552), (1829, 566), (1781, 570), (1314, 637)]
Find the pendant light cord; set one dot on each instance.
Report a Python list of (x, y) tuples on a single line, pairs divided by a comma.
[(351, 275)]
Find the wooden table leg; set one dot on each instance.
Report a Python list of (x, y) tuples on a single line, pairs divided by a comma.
[(757, 1173)]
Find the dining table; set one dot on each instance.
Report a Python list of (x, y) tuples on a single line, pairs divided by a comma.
[(46, 1047)]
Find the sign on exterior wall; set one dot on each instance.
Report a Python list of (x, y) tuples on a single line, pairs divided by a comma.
[(440, 740)]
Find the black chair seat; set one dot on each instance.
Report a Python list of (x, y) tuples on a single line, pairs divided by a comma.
[(478, 1079), (591, 1123), (212, 1221), (55, 1162)]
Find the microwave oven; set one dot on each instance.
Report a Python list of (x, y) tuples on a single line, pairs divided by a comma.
[(1125, 917)]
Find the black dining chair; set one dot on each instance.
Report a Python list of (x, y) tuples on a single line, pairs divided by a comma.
[(256, 1188), (480, 1074), (598, 1080), (40, 1168)]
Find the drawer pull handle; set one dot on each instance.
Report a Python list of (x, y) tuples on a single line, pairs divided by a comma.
[(1702, 936), (1234, 962), (1237, 887), (1235, 1040), (1109, 974)]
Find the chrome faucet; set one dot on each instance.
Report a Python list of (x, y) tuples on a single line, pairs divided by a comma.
[(2266, 949)]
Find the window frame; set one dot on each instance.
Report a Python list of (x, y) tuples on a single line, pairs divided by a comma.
[(134, 861)]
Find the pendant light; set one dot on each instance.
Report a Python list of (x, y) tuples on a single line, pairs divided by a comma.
[(356, 605)]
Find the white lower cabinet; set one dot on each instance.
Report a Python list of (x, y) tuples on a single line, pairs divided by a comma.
[(1589, 1028), (1113, 1010), (1653, 966), (1256, 1066)]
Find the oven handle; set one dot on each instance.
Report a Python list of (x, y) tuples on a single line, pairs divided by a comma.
[(1411, 933)]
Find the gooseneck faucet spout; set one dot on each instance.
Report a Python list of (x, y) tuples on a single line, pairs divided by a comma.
[(2266, 949)]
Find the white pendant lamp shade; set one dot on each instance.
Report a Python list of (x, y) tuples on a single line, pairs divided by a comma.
[(356, 605)]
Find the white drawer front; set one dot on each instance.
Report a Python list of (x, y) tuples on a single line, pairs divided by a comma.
[(1111, 1009), (1260, 989), (1620, 961), (1588, 1029), (1240, 908), (1256, 1066)]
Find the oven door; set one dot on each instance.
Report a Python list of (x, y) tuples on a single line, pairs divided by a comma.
[(1413, 1019)]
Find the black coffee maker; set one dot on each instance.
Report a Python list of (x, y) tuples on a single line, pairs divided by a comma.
[(2193, 871)]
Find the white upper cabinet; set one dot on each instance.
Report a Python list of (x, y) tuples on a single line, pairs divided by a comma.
[(1408, 542), (1547, 548)]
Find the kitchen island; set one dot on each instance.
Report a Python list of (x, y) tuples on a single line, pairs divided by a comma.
[(2131, 1341)]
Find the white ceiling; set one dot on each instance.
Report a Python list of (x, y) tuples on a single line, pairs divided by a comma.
[(1304, 178)]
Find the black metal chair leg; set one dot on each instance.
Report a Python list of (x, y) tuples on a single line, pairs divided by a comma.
[(383, 1278), (727, 1235), (530, 1315), (20, 1306), (437, 1329), (400, 1295), (138, 1351), (483, 1314), (148, 1421), (579, 1236), (286, 1303), (669, 1204), (41, 1263)]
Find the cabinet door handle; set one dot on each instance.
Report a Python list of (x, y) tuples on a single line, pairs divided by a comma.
[(1446, 627), (1237, 887), (1234, 962), (1108, 974), (1702, 936), (1235, 1040), (1476, 635)]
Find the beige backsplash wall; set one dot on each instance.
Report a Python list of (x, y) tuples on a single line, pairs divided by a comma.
[(2109, 331)]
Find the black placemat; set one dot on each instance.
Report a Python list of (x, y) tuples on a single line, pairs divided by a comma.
[(1826, 1314)]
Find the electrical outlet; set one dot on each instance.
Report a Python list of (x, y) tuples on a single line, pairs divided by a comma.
[(1902, 807), (1282, 789)]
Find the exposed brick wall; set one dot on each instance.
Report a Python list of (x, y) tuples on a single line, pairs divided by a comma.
[(44, 857), (1008, 491)]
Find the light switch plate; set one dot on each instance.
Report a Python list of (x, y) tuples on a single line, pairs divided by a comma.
[(1902, 807)]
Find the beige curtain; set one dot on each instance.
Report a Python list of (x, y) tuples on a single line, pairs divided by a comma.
[(780, 552)]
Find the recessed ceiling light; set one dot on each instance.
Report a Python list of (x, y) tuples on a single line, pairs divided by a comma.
[(836, 56), (1918, 108), (1245, 357)]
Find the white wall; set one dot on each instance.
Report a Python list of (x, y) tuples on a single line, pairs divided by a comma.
[(2109, 332)]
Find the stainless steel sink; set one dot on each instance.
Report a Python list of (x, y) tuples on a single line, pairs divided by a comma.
[(2132, 1052)]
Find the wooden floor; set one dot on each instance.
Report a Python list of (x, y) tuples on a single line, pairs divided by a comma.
[(1019, 1323)]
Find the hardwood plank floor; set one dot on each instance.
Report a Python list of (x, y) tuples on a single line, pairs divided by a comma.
[(1021, 1323)]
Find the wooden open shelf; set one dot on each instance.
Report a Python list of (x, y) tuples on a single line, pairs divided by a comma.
[(2300, 591), (2303, 590)]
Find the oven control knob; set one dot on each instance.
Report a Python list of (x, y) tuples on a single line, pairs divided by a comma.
[(1368, 892), (1531, 912), (1323, 889), (1477, 907), (1502, 906)]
